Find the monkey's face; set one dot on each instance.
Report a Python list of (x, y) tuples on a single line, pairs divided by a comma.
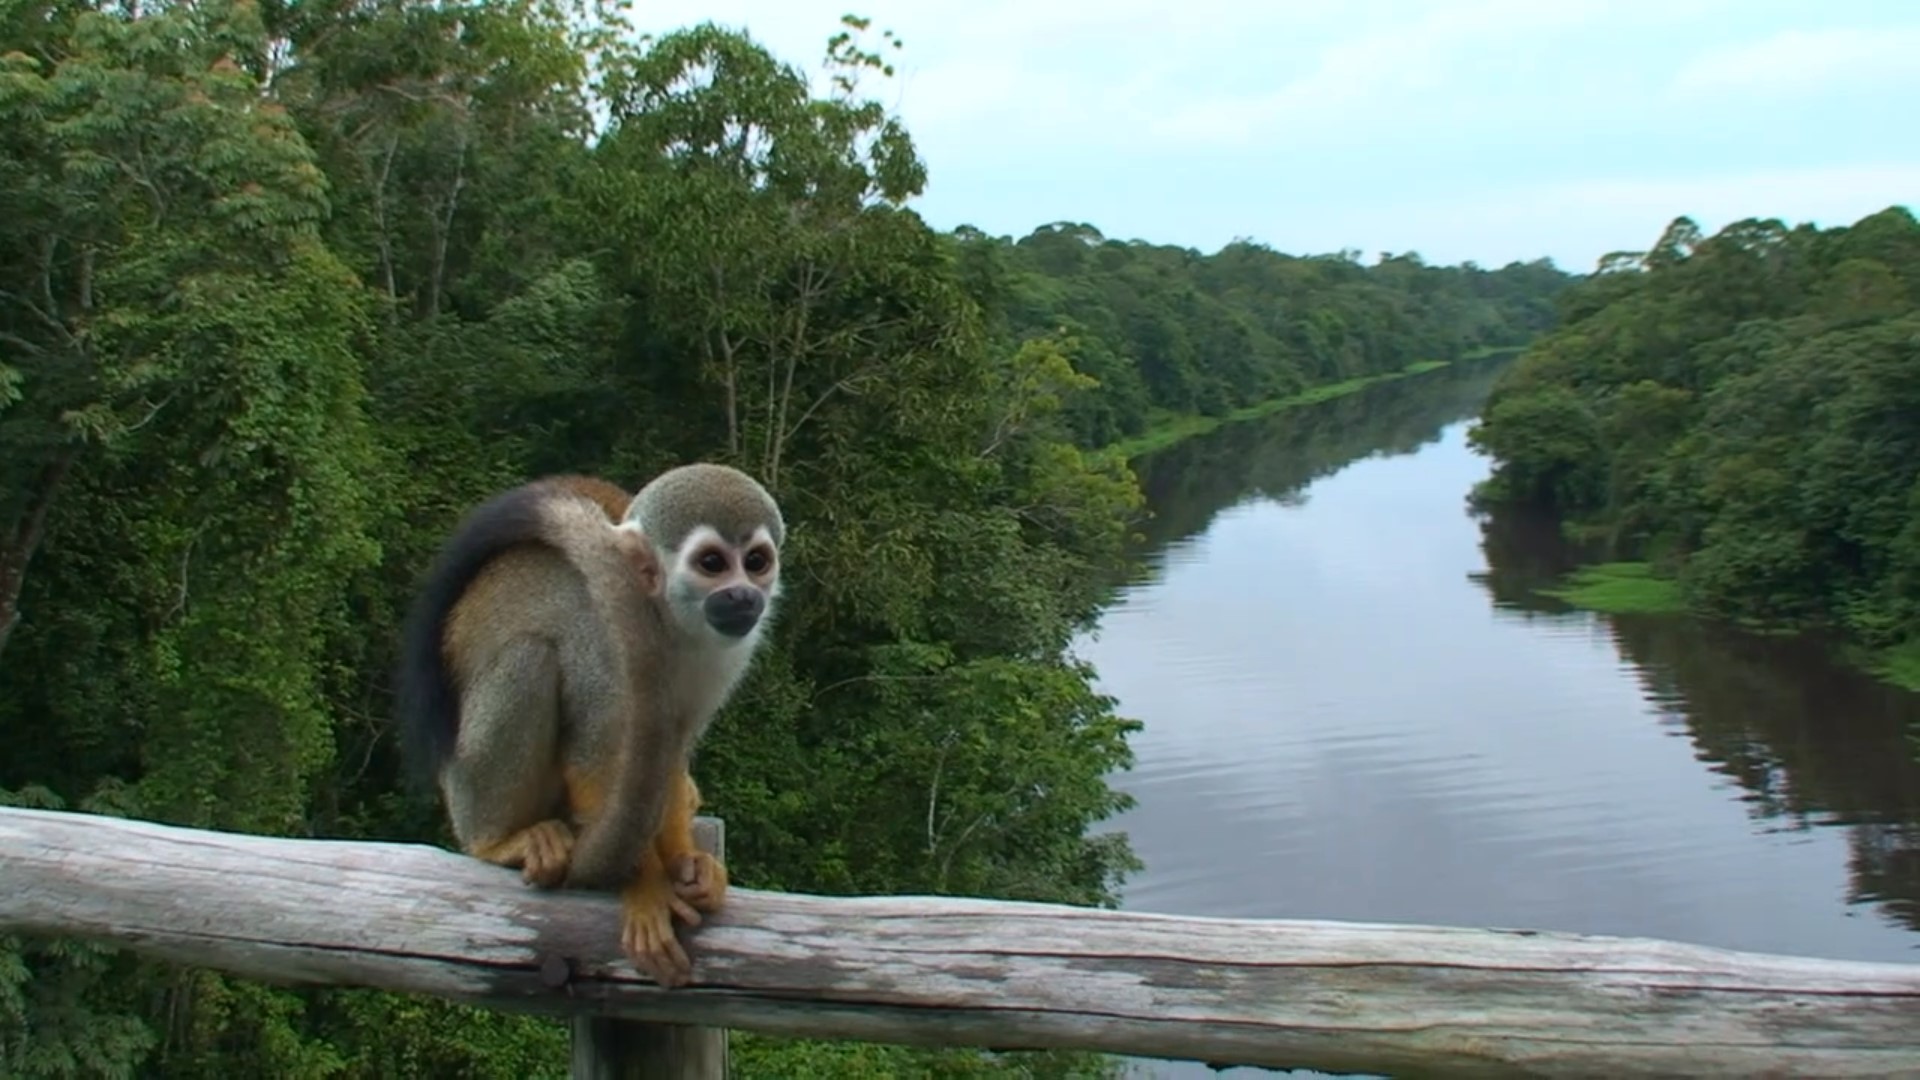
[(724, 587)]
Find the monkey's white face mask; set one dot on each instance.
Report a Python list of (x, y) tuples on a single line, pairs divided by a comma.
[(721, 589)]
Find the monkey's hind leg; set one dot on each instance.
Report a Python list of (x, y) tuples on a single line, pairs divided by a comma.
[(503, 785), (699, 879)]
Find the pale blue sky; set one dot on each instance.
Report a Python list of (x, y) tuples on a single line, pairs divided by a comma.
[(1489, 130)]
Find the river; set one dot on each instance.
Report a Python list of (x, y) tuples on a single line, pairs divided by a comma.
[(1356, 708)]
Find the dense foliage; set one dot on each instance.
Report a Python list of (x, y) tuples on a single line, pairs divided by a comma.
[(285, 287), (1169, 330), (1744, 411)]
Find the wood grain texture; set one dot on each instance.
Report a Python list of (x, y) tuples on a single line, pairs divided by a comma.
[(1400, 1000)]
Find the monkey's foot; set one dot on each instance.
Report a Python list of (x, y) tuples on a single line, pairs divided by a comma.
[(700, 882), (648, 906), (549, 847)]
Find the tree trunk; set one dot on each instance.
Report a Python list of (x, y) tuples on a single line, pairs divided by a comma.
[(24, 539)]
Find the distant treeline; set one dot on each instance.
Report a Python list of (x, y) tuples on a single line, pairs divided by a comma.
[(1171, 330), (1744, 410)]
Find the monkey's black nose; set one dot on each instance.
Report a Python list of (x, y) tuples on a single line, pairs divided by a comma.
[(734, 610)]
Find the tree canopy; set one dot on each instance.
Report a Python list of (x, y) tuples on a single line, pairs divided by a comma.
[(1743, 409), (1169, 330)]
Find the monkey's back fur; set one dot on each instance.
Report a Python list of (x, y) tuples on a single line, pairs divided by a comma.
[(494, 556)]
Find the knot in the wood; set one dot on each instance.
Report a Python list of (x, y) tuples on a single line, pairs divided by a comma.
[(556, 971)]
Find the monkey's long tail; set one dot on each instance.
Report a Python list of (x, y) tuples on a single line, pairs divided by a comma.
[(427, 708)]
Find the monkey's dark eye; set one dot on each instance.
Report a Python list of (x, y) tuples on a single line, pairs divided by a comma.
[(756, 561), (712, 562)]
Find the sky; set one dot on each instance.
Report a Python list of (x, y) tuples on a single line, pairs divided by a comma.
[(1483, 130)]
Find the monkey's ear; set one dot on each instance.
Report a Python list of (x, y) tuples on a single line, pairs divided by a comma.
[(647, 573), (647, 569), (643, 563)]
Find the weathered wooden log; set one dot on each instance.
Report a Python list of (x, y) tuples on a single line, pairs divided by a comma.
[(1341, 997)]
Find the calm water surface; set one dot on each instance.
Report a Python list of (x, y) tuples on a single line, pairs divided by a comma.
[(1355, 708)]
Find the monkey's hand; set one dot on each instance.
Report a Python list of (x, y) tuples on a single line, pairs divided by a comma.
[(699, 882), (648, 906), (542, 851), (549, 847)]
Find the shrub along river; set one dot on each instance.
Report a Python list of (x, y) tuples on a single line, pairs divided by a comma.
[(1357, 707)]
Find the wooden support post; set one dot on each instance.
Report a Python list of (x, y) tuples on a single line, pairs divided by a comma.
[(610, 1048)]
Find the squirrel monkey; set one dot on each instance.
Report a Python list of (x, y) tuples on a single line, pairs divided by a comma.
[(566, 652)]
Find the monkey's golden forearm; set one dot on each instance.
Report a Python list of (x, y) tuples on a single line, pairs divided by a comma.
[(698, 877)]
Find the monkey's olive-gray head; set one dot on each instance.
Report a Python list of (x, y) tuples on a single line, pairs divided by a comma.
[(720, 497)]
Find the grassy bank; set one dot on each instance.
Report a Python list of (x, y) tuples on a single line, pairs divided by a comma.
[(1170, 428), (1616, 588), (1899, 665), (1620, 588)]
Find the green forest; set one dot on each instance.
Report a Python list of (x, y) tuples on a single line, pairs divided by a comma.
[(1735, 419), (288, 287)]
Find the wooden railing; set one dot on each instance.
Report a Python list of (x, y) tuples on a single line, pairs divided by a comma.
[(1341, 997)]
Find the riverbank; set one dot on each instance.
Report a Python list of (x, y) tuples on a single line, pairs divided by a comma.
[(1618, 588), (1167, 429), (1899, 665)]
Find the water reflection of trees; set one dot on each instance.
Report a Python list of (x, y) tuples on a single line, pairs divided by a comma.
[(1276, 457), (1524, 551), (1810, 742)]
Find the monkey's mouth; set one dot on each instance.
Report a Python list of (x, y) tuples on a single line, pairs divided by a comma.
[(736, 611), (735, 626)]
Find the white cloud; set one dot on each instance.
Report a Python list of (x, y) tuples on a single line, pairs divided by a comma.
[(1401, 64), (1071, 72), (1793, 62)]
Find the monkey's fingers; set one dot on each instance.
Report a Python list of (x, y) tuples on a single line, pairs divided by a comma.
[(549, 850), (657, 954), (649, 941), (700, 880), (684, 911)]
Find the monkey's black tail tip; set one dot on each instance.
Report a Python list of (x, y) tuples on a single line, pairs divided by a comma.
[(429, 709), (428, 716)]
